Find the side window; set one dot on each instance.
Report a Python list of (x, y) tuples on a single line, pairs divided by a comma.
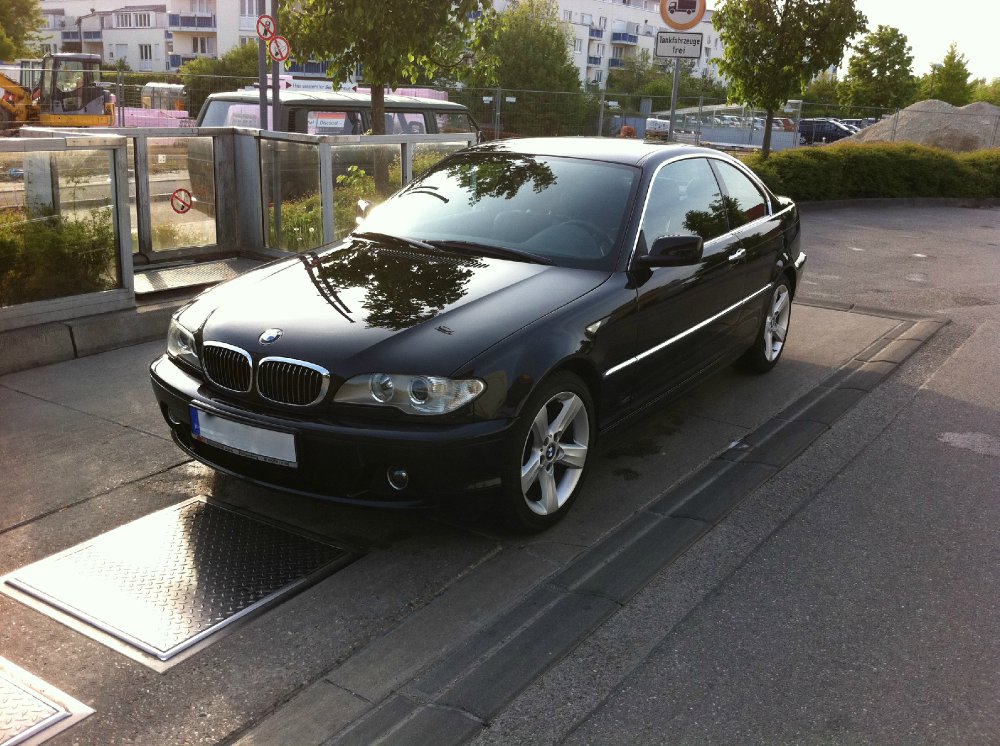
[(453, 122), (684, 200), (323, 122), (744, 200), (405, 123)]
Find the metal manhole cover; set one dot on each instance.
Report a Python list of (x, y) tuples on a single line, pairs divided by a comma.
[(30, 709), (169, 580)]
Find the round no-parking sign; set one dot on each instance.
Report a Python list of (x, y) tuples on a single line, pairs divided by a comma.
[(181, 200)]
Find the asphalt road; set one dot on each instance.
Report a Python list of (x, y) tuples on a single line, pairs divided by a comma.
[(846, 595)]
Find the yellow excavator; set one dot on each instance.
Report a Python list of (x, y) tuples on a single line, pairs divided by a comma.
[(68, 94)]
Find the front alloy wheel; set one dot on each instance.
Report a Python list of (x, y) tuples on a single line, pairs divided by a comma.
[(552, 457)]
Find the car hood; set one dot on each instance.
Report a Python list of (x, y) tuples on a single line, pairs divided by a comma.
[(364, 307)]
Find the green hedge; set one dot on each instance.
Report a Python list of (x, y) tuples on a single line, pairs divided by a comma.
[(872, 170)]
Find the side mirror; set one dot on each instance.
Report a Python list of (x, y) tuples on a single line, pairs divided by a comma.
[(673, 251), (361, 212)]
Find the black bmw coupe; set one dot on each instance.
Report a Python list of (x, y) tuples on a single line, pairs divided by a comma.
[(481, 328)]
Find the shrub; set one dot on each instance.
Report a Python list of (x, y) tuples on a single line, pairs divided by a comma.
[(872, 170), (43, 257)]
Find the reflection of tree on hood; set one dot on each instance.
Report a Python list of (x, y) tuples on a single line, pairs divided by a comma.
[(501, 177), (401, 289)]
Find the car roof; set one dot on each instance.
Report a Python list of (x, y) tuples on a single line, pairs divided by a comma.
[(335, 98), (622, 150)]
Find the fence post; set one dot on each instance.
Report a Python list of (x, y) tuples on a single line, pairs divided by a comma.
[(600, 117), (496, 115), (895, 121)]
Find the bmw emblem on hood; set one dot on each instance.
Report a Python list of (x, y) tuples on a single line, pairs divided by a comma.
[(269, 335)]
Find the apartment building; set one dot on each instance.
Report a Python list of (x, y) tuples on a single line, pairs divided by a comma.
[(161, 37), (606, 33), (149, 37)]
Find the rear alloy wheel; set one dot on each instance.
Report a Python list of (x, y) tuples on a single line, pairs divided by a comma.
[(550, 454), (773, 331)]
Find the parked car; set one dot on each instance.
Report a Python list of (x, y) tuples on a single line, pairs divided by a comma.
[(783, 124), (822, 130), (315, 113), (479, 330)]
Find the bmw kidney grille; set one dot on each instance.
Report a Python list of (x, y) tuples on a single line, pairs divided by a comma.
[(278, 379)]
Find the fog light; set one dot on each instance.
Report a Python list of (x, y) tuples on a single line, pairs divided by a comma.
[(398, 478)]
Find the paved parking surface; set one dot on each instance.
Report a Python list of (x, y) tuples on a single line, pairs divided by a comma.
[(844, 600)]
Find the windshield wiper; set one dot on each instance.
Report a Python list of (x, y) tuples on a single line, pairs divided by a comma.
[(482, 249), (414, 242)]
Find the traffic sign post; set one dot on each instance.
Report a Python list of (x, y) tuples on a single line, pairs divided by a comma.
[(680, 15)]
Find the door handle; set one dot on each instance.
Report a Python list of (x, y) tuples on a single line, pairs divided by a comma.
[(737, 255)]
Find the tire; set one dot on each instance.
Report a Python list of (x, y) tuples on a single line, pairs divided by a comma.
[(549, 454), (773, 331)]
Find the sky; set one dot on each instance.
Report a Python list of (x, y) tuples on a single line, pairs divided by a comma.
[(974, 25)]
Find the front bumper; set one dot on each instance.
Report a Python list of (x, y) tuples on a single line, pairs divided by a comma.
[(342, 462)]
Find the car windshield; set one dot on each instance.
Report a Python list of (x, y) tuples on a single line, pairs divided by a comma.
[(568, 210)]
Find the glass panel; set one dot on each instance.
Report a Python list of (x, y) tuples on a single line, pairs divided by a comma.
[(181, 192), (746, 202), (295, 221), (370, 172), (684, 200), (57, 225)]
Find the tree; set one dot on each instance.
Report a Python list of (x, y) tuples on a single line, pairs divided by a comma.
[(206, 75), (20, 22), (527, 47), (388, 41), (988, 92), (880, 72), (772, 46), (948, 80), (819, 95)]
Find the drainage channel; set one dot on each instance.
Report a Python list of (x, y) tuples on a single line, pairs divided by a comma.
[(164, 586)]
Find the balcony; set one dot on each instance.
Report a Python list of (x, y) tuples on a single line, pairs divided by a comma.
[(621, 37), (593, 61), (70, 36), (308, 68), (615, 62), (91, 35), (176, 60), (190, 21), (596, 33)]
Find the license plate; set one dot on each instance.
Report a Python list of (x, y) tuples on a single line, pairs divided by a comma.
[(245, 440)]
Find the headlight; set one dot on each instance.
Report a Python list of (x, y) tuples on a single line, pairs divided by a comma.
[(181, 345), (411, 394)]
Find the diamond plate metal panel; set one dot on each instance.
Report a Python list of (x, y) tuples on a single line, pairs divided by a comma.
[(191, 275), (166, 581), (32, 711), (23, 713)]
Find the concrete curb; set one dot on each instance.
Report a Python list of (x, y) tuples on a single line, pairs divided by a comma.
[(891, 202), (30, 347)]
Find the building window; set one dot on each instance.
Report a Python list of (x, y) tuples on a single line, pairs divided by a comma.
[(598, 76), (586, 19), (568, 16), (578, 45), (248, 7), (199, 44), (145, 52), (600, 50), (142, 20), (124, 20)]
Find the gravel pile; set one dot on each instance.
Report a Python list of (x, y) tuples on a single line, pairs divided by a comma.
[(940, 125)]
